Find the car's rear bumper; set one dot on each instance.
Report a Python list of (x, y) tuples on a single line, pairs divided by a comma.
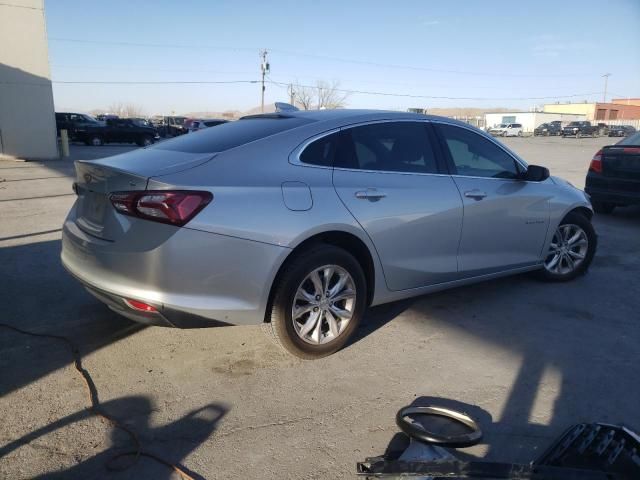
[(193, 278), (612, 190)]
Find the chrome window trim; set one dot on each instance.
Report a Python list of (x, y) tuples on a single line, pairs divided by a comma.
[(294, 156)]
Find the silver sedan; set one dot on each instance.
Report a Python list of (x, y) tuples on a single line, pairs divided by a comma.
[(304, 219)]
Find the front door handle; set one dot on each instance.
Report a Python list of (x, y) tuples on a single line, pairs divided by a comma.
[(370, 194), (475, 194)]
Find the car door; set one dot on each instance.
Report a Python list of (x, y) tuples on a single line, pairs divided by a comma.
[(389, 178), (505, 218)]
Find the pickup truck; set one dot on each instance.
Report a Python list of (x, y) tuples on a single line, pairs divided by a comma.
[(580, 129), (119, 130)]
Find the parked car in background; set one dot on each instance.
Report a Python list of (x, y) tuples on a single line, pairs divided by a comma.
[(613, 179), (546, 129), (74, 123), (169, 126), (507, 130), (603, 129), (621, 130), (119, 130), (304, 219), (580, 129), (195, 125)]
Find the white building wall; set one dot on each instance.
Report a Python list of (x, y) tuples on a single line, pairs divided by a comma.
[(530, 120), (27, 119)]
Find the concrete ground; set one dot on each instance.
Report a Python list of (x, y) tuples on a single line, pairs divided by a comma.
[(528, 359)]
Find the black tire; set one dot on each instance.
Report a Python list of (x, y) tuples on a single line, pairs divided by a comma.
[(95, 140), (145, 141), (584, 223), (297, 269), (602, 207)]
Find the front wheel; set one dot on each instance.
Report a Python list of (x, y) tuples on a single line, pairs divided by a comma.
[(571, 250), (96, 141), (318, 302)]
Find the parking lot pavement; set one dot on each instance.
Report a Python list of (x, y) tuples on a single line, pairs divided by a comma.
[(527, 358)]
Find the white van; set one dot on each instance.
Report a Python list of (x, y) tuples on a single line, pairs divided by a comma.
[(507, 130)]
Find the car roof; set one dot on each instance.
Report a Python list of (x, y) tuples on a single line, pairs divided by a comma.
[(348, 115)]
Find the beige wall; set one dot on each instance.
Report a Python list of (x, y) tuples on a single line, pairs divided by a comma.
[(587, 109), (27, 120)]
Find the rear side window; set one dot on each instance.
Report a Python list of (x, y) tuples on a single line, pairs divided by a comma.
[(389, 147), (321, 152), (232, 134)]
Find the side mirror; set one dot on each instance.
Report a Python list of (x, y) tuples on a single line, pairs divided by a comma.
[(536, 173)]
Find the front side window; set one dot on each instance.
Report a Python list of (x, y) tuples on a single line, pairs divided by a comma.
[(475, 156), (387, 146)]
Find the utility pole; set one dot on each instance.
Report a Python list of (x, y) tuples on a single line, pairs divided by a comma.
[(264, 67), (606, 78), (292, 95)]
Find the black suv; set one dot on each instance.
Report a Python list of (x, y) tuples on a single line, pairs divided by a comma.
[(119, 130), (74, 123), (546, 129)]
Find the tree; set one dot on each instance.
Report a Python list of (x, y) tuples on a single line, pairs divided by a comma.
[(322, 95), (126, 110), (330, 96), (302, 96)]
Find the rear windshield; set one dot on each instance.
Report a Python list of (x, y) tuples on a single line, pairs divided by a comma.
[(231, 134), (631, 140)]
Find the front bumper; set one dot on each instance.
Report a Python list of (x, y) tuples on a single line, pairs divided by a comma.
[(193, 278)]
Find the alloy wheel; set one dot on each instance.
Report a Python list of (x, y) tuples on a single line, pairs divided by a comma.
[(568, 249), (324, 304)]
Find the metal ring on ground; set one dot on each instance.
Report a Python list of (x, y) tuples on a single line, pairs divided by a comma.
[(454, 441)]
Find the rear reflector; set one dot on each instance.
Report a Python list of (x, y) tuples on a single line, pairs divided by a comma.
[(140, 306), (175, 207), (596, 163)]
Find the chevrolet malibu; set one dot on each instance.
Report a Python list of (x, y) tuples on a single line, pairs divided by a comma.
[(302, 220)]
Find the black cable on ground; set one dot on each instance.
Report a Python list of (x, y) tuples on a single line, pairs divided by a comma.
[(137, 452)]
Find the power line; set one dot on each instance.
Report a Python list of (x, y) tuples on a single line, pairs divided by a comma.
[(164, 82), (436, 97), (321, 57)]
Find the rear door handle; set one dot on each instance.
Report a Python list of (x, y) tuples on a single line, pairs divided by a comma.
[(370, 194), (475, 194)]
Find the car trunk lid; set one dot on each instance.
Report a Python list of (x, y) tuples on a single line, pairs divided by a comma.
[(97, 179), (622, 162)]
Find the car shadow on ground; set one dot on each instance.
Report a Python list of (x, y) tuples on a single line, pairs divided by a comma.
[(161, 447), (575, 341)]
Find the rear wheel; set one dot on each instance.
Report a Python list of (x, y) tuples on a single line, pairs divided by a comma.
[(96, 141), (571, 250), (318, 302), (602, 207)]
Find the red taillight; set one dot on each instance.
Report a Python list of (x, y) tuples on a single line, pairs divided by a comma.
[(140, 306), (596, 163), (175, 207)]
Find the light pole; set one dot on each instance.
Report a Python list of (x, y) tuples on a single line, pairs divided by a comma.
[(606, 78)]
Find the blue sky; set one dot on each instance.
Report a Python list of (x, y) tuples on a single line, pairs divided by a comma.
[(481, 53)]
